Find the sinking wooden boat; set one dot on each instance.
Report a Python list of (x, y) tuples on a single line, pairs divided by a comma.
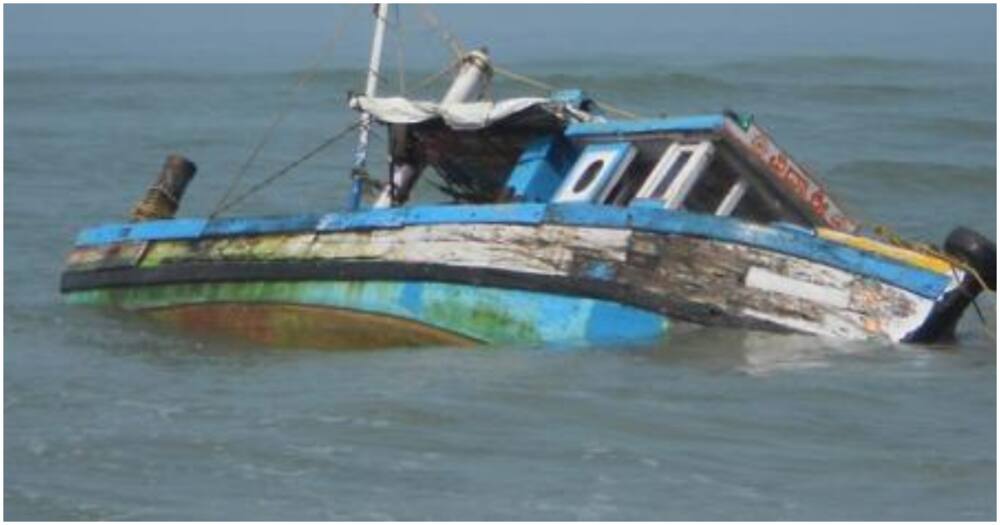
[(565, 226)]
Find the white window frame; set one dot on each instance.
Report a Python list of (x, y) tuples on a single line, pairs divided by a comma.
[(701, 154), (733, 198), (616, 157)]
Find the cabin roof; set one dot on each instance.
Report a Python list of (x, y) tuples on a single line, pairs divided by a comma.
[(687, 124)]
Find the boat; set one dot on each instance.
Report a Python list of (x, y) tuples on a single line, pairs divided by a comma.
[(566, 225)]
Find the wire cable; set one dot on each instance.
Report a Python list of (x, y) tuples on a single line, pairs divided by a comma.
[(549, 87), (288, 168), (304, 78)]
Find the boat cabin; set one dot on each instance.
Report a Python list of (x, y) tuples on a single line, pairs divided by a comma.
[(556, 151), (659, 165)]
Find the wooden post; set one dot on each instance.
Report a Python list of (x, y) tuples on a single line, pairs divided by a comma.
[(164, 197)]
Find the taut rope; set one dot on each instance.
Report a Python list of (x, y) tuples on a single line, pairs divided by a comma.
[(287, 169), (308, 75)]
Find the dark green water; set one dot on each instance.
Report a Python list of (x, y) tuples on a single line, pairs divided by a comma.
[(109, 417)]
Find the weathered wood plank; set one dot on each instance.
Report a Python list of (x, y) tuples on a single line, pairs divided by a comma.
[(107, 256), (689, 278)]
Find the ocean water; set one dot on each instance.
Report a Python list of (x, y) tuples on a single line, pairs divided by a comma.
[(107, 416)]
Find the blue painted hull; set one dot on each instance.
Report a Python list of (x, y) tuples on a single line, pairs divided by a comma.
[(476, 313), (791, 240), (558, 273)]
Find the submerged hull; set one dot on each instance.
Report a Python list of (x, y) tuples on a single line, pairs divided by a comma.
[(460, 275), (363, 314)]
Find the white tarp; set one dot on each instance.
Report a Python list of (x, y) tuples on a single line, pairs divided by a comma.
[(458, 116)]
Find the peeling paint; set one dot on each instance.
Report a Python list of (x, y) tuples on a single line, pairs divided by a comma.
[(476, 313)]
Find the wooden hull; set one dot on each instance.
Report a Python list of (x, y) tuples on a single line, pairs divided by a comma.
[(503, 274), (369, 314), (297, 325)]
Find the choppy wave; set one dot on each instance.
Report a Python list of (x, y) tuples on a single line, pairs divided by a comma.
[(922, 200), (839, 80), (864, 93), (846, 63), (170, 76), (918, 173), (635, 85), (959, 128)]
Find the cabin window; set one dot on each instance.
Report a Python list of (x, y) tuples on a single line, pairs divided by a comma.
[(596, 172), (754, 207), (764, 206), (702, 178), (732, 198), (588, 176), (711, 189), (742, 192), (675, 168), (627, 187), (675, 174)]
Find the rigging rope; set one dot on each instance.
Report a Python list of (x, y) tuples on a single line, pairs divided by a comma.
[(458, 50), (886, 234), (449, 38), (399, 37), (289, 167), (433, 77), (549, 87), (304, 78)]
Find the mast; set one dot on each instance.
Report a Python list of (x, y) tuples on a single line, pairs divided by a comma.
[(374, 63)]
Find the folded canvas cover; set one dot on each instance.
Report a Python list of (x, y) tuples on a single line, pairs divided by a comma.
[(465, 116), (473, 146)]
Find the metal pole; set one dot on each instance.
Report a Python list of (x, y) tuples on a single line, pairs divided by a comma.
[(473, 76), (374, 63)]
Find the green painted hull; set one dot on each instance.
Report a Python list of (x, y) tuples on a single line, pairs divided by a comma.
[(398, 313)]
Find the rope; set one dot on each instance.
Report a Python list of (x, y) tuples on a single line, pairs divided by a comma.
[(400, 37), (524, 80), (549, 87), (288, 168), (889, 236), (618, 111), (156, 204), (457, 49), (305, 77), (383, 81), (992, 335), (451, 41), (433, 77)]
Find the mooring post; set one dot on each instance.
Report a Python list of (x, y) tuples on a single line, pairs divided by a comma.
[(164, 196)]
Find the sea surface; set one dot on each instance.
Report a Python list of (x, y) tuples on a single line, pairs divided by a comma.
[(110, 417)]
